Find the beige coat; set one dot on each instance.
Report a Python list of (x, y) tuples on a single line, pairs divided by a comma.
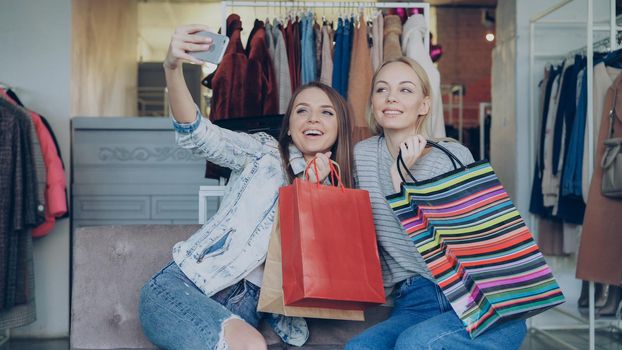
[(359, 82), (392, 33), (601, 242)]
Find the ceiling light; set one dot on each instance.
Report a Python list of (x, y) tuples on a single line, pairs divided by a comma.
[(490, 37)]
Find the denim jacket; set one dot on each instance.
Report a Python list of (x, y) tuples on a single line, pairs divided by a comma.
[(234, 241)]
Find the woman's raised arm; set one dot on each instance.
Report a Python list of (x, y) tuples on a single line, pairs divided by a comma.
[(183, 41)]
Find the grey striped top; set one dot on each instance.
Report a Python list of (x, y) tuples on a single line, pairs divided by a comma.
[(399, 258)]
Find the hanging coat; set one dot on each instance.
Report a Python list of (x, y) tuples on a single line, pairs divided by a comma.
[(391, 40), (18, 215), (359, 85), (293, 52), (278, 52), (326, 72), (337, 84), (598, 259), (230, 76), (604, 76), (307, 41), (377, 42), (261, 96)]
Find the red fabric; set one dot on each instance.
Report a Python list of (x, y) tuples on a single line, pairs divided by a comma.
[(230, 76), (56, 182), (292, 43), (329, 250), (55, 200), (297, 52), (261, 97)]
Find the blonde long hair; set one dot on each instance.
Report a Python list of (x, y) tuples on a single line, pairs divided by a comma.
[(422, 123)]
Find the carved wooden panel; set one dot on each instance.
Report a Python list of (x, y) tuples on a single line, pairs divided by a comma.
[(129, 170)]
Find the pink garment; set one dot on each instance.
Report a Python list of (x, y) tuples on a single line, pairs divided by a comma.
[(55, 200), (56, 182)]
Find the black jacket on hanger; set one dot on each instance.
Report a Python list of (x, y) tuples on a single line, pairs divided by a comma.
[(536, 205)]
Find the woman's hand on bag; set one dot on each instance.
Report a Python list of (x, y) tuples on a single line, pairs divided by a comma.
[(184, 41), (412, 148), (322, 161)]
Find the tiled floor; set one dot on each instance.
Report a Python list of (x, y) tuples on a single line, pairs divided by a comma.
[(577, 339), (534, 341)]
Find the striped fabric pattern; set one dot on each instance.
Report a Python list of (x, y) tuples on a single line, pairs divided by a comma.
[(477, 246)]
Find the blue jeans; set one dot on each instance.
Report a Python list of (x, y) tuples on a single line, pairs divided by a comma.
[(175, 314), (422, 318)]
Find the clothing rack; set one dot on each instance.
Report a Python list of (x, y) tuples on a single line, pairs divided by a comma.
[(225, 5), (589, 49)]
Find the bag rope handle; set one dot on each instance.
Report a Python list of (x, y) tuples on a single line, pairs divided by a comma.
[(335, 172), (452, 157)]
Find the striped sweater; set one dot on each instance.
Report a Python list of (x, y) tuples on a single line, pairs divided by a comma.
[(399, 258)]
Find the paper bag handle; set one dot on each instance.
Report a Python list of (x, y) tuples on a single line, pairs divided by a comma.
[(335, 172)]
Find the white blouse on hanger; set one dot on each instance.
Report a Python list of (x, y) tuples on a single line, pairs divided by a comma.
[(413, 46)]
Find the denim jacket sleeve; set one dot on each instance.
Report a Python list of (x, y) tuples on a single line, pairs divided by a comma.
[(221, 146)]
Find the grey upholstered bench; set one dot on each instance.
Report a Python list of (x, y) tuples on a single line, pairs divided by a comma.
[(111, 263)]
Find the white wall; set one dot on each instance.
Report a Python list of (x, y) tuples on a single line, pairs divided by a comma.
[(35, 37), (503, 94), (104, 70)]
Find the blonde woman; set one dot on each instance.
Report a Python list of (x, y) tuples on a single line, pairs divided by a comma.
[(422, 318)]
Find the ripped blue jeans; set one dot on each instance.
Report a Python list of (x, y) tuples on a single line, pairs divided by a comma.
[(175, 314)]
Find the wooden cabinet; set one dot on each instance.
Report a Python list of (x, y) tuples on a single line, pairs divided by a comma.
[(130, 171)]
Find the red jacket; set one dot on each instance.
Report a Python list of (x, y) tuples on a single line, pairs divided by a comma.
[(230, 76), (292, 43), (56, 182), (261, 96)]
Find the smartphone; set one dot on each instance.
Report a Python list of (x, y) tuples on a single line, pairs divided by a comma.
[(216, 51)]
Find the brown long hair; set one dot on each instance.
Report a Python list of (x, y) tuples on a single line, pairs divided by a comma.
[(421, 128), (341, 150)]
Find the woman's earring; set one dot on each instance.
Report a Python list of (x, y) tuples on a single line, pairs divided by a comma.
[(289, 133)]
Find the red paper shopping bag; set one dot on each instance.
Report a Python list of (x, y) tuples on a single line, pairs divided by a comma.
[(329, 250)]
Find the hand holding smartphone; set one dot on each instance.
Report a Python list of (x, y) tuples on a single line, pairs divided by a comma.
[(216, 51)]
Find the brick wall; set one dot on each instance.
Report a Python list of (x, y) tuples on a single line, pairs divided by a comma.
[(467, 56)]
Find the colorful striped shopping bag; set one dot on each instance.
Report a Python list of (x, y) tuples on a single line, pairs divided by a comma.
[(475, 244)]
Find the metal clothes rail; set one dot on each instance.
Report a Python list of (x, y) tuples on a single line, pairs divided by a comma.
[(225, 5), (613, 29)]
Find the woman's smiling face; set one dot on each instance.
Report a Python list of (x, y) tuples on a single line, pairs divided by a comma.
[(313, 124), (397, 98)]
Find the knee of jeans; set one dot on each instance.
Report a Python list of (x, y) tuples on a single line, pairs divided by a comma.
[(255, 343), (250, 338), (258, 343), (420, 338)]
